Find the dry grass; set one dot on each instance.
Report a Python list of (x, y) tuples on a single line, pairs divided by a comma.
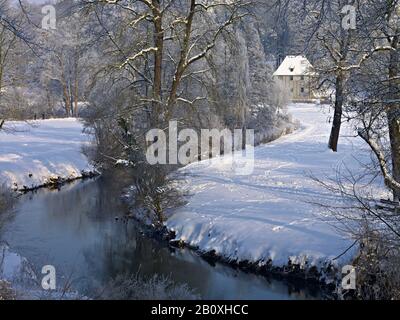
[(6, 292), (136, 287), (378, 269)]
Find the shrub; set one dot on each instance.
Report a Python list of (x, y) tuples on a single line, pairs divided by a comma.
[(6, 292), (6, 201), (137, 287)]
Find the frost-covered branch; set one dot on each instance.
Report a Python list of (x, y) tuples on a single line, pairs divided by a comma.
[(364, 58), (191, 102), (376, 149), (141, 53)]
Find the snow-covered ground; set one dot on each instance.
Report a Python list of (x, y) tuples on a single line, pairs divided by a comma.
[(33, 153), (268, 215)]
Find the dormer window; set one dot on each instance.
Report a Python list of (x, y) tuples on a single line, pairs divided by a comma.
[(291, 69)]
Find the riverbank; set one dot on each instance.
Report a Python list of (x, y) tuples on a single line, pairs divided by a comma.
[(43, 153), (268, 221)]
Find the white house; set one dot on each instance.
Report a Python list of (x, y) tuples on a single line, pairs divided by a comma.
[(296, 74)]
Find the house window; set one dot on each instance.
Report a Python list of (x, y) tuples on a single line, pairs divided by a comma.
[(302, 77), (302, 90), (291, 78)]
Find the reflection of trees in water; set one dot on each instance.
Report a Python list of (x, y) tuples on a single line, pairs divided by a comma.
[(83, 204), (126, 251), (7, 202)]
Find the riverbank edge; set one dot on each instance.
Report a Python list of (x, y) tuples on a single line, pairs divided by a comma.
[(57, 182), (327, 278)]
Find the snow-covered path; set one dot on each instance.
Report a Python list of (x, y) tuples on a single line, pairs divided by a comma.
[(268, 214), (34, 152)]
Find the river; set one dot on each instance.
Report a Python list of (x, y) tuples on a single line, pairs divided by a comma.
[(75, 229)]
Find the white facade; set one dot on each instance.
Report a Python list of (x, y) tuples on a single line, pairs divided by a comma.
[(296, 74)]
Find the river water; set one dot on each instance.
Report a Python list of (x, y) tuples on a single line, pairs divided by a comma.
[(75, 229)]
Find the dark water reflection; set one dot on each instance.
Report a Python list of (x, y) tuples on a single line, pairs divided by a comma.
[(76, 231)]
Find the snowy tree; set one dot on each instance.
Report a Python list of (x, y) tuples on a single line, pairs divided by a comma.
[(375, 89), (12, 37)]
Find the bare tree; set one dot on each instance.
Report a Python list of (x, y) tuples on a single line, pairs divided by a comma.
[(173, 45), (338, 48), (373, 104), (376, 90), (13, 34)]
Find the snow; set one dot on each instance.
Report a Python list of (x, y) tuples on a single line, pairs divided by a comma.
[(33, 153), (294, 66), (268, 215)]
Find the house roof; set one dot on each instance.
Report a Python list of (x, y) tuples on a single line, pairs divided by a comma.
[(294, 66)]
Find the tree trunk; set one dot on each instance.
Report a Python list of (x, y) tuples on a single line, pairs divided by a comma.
[(67, 99), (64, 84), (158, 56), (393, 114), (337, 118), (182, 64), (76, 97), (76, 84), (394, 134)]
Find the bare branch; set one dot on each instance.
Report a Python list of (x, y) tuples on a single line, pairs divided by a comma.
[(389, 180)]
